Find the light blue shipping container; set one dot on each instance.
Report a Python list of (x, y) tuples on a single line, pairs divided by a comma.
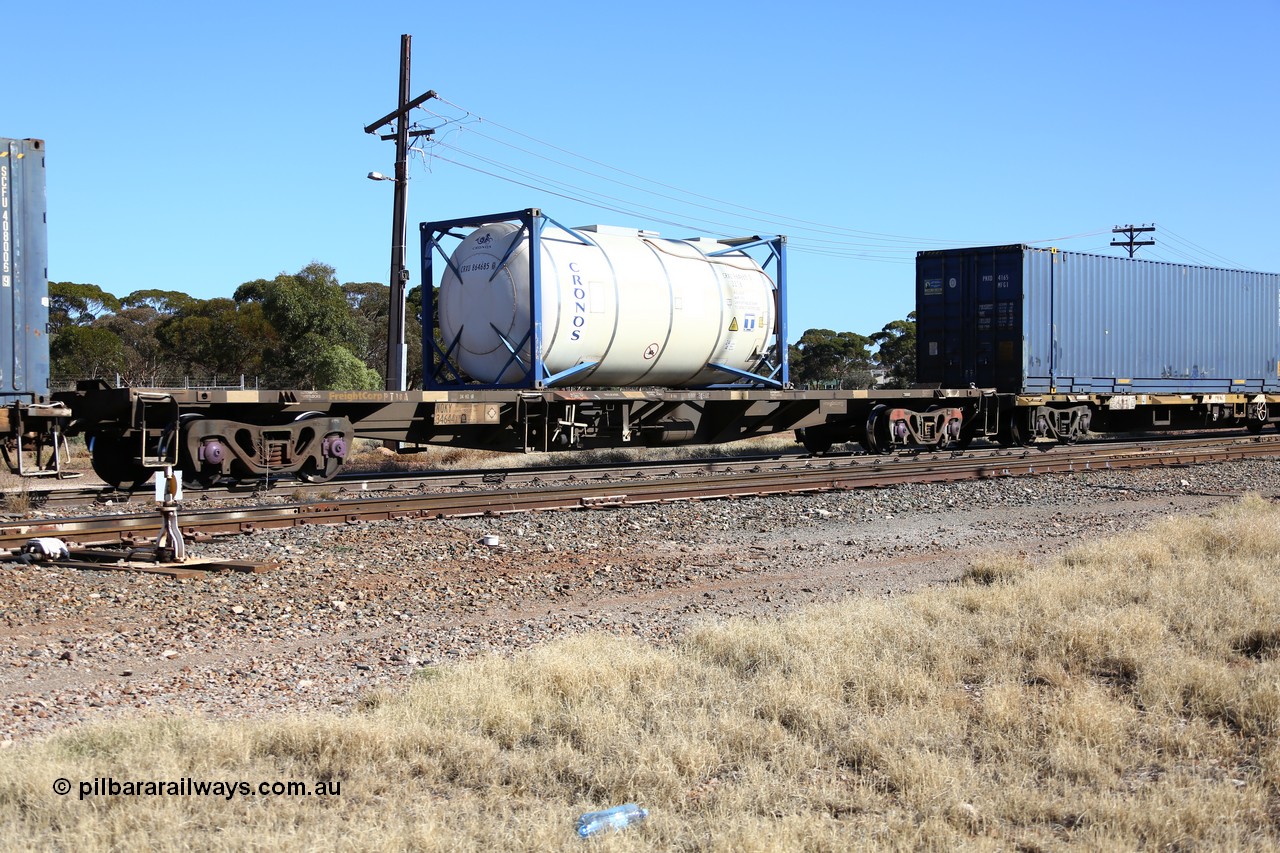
[(1035, 321), (24, 283)]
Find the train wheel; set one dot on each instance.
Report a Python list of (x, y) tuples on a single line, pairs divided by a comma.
[(858, 433), (1257, 418), (817, 448), (112, 461), (324, 470), (193, 476), (950, 437), (879, 440), (1079, 429), (1019, 433), (310, 472), (815, 440)]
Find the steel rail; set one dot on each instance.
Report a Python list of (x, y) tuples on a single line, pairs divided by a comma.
[(363, 483), (139, 528)]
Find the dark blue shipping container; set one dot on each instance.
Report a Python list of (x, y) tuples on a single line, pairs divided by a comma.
[(24, 283), (1039, 321)]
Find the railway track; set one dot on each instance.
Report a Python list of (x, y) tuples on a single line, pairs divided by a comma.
[(371, 482), (746, 479)]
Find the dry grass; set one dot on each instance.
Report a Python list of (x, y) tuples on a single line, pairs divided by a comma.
[(17, 494), (1126, 697)]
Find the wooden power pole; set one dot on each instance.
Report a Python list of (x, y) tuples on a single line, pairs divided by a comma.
[(397, 348), (1132, 231)]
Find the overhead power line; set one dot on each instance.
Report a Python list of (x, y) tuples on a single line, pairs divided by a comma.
[(763, 216), (630, 194), (1200, 250), (760, 221)]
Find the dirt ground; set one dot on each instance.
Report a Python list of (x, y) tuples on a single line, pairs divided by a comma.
[(365, 607)]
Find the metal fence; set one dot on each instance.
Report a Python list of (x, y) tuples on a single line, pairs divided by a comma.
[(211, 383)]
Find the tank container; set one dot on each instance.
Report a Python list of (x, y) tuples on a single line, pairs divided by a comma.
[(641, 310)]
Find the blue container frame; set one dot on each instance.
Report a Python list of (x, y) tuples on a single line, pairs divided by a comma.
[(442, 373)]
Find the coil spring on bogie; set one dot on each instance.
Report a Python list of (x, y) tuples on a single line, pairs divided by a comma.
[(275, 451)]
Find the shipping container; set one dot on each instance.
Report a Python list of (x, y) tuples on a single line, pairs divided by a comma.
[(1039, 321), (24, 284)]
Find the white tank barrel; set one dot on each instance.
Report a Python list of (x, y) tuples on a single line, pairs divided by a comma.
[(640, 309)]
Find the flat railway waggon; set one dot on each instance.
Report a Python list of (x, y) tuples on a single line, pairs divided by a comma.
[(558, 338), (551, 338)]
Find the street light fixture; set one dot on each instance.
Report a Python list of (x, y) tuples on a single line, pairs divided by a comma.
[(378, 176)]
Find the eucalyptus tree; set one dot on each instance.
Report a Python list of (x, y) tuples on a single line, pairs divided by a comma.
[(318, 336)]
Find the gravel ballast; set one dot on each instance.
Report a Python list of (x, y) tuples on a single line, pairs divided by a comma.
[(364, 607)]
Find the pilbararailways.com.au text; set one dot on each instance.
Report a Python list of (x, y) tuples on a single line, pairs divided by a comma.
[(228, 789)]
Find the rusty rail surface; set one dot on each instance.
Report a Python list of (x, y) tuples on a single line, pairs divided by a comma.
[(800, 476), (360, 483)]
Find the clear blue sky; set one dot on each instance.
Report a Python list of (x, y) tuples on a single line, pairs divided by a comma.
[(195, 147)]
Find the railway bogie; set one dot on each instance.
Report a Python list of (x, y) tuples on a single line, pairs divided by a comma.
[(312, 447), (1068, 418), (896, 427), (1064, 423), (884, 424)]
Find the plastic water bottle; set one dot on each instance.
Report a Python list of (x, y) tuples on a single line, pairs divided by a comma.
[(618, 817)]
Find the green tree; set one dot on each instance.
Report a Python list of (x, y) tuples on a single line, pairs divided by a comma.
[(72, 304), (311, 315), (338, 369), (219, 337), (144, 360), (896, 354), (86, 352), (163, 302), (371, 305), (840, 359)]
